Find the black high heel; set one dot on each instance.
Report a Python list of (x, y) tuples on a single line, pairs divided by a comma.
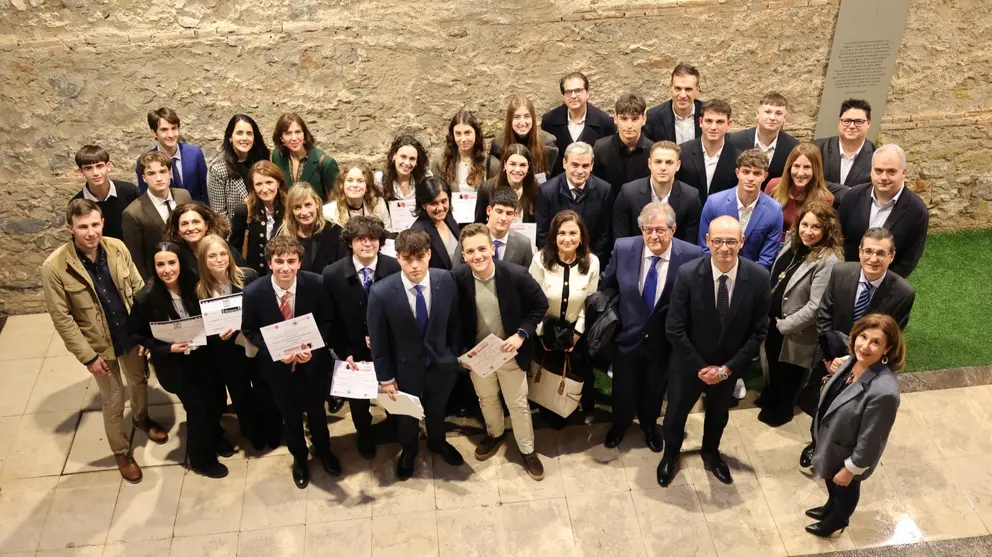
[(824, 530), (817, 513)]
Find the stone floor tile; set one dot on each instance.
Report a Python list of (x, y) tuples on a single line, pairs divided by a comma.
[(285, 541), (348, 497), (955, 426), (472, 484), (881, 518), (26, 336), (391, 496), (346, 538), (516, 485), (89, 551), (61, 385), (538, 528), (272, 500), (788, 497), (404, 535), (148, 548), (81, 510), (605, 525), (211, 506), (672, 522), (17, 379), (172, 417), (40, 445), (586, 465), (935, 500), (471, 532), (24, 507), (147, 510), (89, 451), (739, 519), (210, 545)]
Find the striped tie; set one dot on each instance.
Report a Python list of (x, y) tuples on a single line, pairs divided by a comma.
[(861, 304)]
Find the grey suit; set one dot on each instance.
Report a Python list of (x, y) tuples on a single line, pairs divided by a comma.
[(143, 228), (517, 250), (860, 171), (800, 302), (855, 427)]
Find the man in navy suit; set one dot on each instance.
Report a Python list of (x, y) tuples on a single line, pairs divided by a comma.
[(189, 168), (773, 112), (707, 163), (677, 119), (414, 331), (576, 119), (643, 270), (760, 215), (299, 381), (717, 320)]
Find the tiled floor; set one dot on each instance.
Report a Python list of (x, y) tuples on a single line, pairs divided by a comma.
[(60, 494)]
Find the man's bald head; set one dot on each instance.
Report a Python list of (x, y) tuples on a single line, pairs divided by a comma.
[(726, 224), (724, 240)]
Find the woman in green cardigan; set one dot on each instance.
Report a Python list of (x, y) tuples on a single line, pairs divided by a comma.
[(299, 159)]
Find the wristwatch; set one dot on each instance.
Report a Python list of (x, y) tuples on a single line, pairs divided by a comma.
[(721, 372), (522, 333)]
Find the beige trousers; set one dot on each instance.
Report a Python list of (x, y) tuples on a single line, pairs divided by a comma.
[(513, 382), (112, 397)]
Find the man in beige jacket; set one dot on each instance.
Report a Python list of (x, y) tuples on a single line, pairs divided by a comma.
[(90, 283)]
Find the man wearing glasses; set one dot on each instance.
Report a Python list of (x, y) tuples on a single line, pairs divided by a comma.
[(642, 271), (576, 119), (886, 202), (847, 155)]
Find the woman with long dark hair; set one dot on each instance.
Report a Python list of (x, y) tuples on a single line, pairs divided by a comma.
[(298, 157), (182, 369), (227, 175), (462, 161), (188, 225), (518, 175), (258, 219), (434, 217), (406, 165), (520, 126)]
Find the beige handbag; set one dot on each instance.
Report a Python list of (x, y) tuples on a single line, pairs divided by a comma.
[(557, 392)]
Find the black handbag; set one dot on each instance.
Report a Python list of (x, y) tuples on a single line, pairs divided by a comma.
[(558, 334)]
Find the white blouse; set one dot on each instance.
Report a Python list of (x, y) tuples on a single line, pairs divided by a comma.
[(579, 285)]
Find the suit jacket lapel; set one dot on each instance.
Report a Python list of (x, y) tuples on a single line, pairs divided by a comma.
[(309, 167), (504, 293), (304, 302), (709, 296), (852, 390), (670, 275), (737, 298), (148, 206), (862, 164), (832, 164), (400, 294), (882, 293), (899, 210), (644, 193), (437, 298), (804, 269), (700, 164), (633, 268)]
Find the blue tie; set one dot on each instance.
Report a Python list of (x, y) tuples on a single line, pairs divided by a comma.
[(496, 245), (177, 176), (366, 279), (651, 283), (421, 308), (861, 304)]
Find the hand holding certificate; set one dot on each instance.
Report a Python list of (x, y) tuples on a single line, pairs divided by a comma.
[(404, 405), (292, 337), (180, 331), (486, 357), (221, 314), (354, 383)]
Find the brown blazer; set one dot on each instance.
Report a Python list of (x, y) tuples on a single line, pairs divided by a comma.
[(144, 227)]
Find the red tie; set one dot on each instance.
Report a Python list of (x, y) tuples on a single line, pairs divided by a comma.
[(287, 314)]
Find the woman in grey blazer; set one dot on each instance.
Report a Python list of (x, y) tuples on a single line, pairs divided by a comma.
[(857, 408), (799, 277)]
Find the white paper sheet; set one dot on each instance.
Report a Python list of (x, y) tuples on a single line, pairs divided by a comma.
[(221, 314), (401, 214), (486, 357), (292, 336), (528, 229), (180, 330), (404, 405), (354, 383), (463, 206)]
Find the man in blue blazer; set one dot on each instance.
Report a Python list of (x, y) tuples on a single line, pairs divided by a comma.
[(760, 215), (299, 382), (189, 168), (414, 332), (643, 270)]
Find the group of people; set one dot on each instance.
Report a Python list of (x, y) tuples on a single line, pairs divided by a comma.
[(712, 251)]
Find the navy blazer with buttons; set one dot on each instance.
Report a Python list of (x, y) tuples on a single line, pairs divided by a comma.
[(194, 178), (637, 323), (349, 303), (908, 222), (594, 205)]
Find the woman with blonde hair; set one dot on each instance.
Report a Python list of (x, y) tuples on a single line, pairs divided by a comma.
[(520, 126), (801, 183), (798, 279), (258, 219), (355, 195), (320, 238)]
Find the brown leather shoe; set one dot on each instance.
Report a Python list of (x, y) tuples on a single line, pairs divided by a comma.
[(128, 467), (155, 433)]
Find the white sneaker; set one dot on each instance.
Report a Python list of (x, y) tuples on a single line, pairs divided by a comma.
[(740, 391)]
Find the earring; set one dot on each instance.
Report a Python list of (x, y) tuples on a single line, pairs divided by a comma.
[(885, 360)]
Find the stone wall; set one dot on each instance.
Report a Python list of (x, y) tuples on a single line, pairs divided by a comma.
[(82, 71)]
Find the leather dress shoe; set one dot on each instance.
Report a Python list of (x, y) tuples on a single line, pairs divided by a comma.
[(128, 467), (450, 454), (825, 530), (155, 433), (667, 470), (654, 440), (817, 513), (224, 448), (806, 457), (301, 475), (404, 466), (331, 464), (366, 445), (335, 404), (613, 438), (213, 470), (714, 463)]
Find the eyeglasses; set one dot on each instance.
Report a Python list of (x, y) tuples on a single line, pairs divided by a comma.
[(574, 92), (659, 230), (851, 122), (730, 243), (868, 252)]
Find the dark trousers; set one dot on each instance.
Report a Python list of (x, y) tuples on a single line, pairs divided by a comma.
[(784, 379), (638, 387), (434, 398), (232, 365), (360, 415), (295, 396), (841, 501), (684, 389), (203, 430), (270, 417)]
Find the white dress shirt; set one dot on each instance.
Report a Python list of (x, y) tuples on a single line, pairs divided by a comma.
[(411, 293), (662, 265), (502, 248), (769, 151), (685, 128), (731, 280), (710, 165), (280, 293), (177, 303), (847, 162), (575, 128), (744, 212), (163, 206), (654, 192), (573, 189), (359, 266), (879, 213), (87, 194)]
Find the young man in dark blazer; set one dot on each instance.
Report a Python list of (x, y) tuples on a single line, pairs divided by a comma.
[(347, 283), (772, 113), (847, 155), (509, 246), (143, 221), (663, 164), (188, 166), (300, 381), (415, 334), (717, 320), (623, 156), (709, 162), (112, 196), (577, 189), (576, 119), (888, 203), (501, 299), (643, 270), (682, 109)]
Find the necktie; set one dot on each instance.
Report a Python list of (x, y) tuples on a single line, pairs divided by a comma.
[(287, 313), (366, 279), (861, 304), (651, 283), (576, 193), (177, 176), (723, 301), (421, 308), (496, 245), (168, 205)]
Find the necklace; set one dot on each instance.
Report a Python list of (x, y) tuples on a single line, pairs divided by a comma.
[(792, 265)]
